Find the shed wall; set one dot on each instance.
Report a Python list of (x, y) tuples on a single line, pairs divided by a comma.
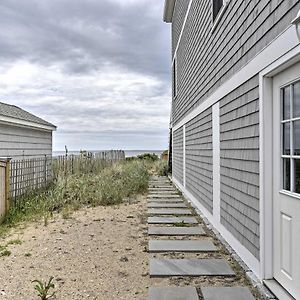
[(21, 142)]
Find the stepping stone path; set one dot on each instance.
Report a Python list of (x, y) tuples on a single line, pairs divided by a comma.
[(172, 220), (169, 211), (166, 205), (177, 231), (181, 246), (183, 234)]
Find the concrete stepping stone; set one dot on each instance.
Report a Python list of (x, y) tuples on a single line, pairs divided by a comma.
[(190, 267), (165, 200), (163, 196), (226, 293), (172, 220), (163, 188), (197, 230), (166, 205), (169, 211), (173, 293), (181, 246)]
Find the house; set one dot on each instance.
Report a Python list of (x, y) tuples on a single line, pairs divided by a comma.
[(235, 126), (23, 135)]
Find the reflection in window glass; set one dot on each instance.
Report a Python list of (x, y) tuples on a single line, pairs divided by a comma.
[(286, 102), (296, 133), (297, 176), (296, 100), (286, 138), (286, 174)]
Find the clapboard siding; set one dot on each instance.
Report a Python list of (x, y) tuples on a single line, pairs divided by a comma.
[(22, 142), (206, 58), (239, 164), (180, 10), (198, 161), (177, 165)]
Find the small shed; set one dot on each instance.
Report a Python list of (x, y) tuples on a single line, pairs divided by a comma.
[(23, 135)]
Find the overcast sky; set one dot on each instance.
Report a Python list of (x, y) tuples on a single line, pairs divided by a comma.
[(98, 69)]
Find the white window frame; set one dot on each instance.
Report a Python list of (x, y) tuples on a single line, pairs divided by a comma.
[(291, 156)]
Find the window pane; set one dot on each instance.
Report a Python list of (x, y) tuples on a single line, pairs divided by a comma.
[(286, 103), (296, 100), (286, 174), (286, 138), (297, 176), (217, 5), (296, 134)]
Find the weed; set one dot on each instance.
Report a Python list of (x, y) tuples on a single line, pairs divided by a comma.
[(99, 185), (181, 224), (43, 288), (14, 242), (5, 252)]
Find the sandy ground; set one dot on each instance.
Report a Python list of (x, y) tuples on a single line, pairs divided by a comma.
[(99, 253)]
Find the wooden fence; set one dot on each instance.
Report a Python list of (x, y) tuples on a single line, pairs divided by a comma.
[(85, 163), (4, 187), (31, 174)]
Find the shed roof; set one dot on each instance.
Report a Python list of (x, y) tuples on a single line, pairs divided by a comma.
[(14, 114)]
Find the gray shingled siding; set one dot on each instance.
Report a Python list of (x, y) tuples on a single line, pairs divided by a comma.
[(198, 161), (177, 166), (20, 142), (239, 160), (179, 14), (207, 59)]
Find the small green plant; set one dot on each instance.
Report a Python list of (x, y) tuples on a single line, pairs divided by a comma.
[(14, 242), (5, 252), (43, 288)]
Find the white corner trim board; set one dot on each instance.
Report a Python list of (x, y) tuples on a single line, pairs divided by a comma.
[(216, 160), (241, 251), (183, 164), (275, 50)]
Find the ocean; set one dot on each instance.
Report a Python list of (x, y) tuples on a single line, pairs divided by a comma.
[(128, 153)]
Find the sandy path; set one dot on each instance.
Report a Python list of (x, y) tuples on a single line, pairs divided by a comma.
[(97, 254)]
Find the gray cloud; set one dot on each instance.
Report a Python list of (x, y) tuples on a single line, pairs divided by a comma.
[(94, 68)]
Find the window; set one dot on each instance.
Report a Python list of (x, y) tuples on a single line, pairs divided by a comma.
[(290, 128), (217, 5), (175, 78)]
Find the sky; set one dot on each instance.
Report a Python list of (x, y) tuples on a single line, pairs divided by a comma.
[(97, 69)]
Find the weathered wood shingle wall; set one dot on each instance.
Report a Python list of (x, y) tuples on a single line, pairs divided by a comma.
[(199, 158), (206, 58), (239, 164), (180, 10), (21, 142), (177, 165)]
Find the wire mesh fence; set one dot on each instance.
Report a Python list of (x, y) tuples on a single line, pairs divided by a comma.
[(29, 174)]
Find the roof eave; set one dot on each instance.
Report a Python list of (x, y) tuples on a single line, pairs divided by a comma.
[(168, 10), (14, 121)]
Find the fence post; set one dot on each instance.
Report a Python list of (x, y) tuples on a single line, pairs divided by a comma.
[(7, 184)]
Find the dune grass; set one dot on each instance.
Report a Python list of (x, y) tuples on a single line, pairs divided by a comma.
[(107, 186)]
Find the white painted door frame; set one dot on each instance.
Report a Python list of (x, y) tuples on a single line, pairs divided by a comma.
[(266, 157)]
